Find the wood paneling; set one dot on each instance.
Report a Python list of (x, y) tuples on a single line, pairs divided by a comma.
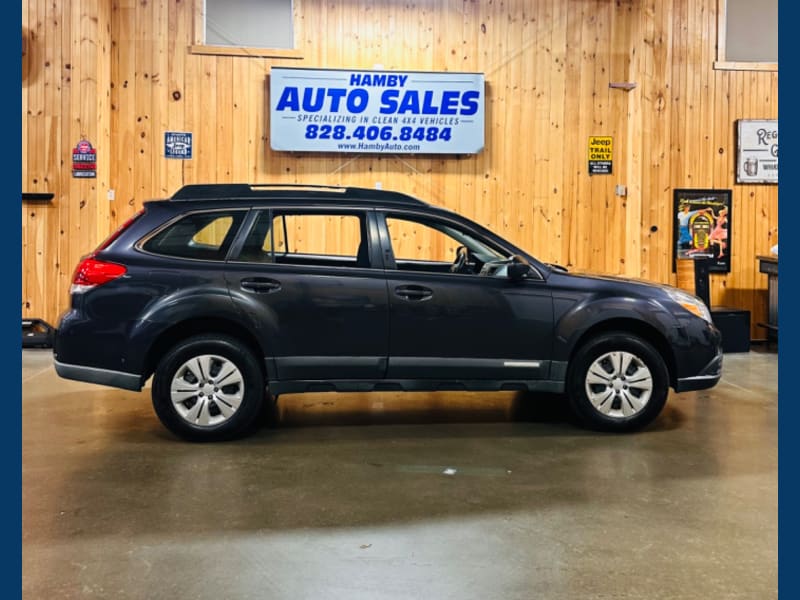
[(548, 65), (66, 98)]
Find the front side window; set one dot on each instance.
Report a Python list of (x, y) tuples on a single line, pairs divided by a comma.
[(317, 239), (420, 244), (201, 236), (416, 241)]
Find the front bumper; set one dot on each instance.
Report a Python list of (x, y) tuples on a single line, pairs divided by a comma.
[(708, 377)]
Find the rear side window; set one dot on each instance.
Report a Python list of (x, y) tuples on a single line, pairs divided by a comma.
[(202, 236), (308, 238), (317, 235)]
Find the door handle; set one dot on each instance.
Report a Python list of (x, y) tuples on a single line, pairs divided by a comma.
[(260, 285), (415, 293)]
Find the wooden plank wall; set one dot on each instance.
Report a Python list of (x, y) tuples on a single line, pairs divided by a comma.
[(65, 98), (548, 65)]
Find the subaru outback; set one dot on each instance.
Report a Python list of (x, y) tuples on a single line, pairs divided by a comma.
[(230, 295)]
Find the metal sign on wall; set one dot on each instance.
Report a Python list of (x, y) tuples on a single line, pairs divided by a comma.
[(601, 149), (178, 144), (393, 112), (757, 156), (84, 160)]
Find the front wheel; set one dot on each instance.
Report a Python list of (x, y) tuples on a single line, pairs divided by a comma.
[(618, 382), (208, 388)]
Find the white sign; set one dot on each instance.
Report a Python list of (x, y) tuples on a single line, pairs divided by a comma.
[(757, 160), (385, 112)]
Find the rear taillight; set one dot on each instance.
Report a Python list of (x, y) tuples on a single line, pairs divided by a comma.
[(92, 272)]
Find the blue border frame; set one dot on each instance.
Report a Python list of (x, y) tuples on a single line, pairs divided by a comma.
[(789, 190), (12, 436)]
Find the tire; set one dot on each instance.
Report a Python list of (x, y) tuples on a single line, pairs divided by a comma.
[(617, 382), (192, 405)]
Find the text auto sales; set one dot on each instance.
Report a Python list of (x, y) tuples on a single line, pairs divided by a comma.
[(412, 106)]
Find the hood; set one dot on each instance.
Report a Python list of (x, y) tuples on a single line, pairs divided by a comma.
[(611, 278)]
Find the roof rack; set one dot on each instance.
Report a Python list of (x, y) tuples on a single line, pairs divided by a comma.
[(217, 191)]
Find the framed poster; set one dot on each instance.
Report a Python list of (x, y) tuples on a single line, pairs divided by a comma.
[(702, 227), (757, 151)]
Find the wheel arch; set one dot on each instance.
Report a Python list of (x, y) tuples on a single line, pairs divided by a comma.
[(636, 327), (196, 326)]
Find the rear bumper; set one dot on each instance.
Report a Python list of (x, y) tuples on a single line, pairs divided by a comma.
[(707, 378), (119, 379)]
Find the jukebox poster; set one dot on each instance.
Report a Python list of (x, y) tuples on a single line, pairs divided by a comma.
[(702, 227)]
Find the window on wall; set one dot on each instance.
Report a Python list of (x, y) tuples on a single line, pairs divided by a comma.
[(245, 27), (747, 35)]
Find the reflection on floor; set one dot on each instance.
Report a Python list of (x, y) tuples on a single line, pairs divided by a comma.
[(450, 495)]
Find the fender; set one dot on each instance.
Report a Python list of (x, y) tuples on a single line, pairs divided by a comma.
[(191, 303), (575, 316), (575, 313)]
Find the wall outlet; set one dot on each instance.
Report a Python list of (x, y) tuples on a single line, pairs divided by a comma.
[(620, 190)]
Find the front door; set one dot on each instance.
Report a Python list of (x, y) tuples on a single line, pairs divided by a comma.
[(458, 317)]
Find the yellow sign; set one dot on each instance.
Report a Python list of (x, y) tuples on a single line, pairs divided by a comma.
[(600, 147), (600, 154)]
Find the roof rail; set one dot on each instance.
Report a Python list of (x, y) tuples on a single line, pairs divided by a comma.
[(217, 191)]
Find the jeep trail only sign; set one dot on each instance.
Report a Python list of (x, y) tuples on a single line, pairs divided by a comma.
[(600, 154)]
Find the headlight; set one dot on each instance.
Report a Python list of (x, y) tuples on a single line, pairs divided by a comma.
[(691, 303)]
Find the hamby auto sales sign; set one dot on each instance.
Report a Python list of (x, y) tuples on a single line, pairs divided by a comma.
[(338, 110)]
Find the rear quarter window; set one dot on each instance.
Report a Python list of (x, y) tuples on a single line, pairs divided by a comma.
[(201, 236)]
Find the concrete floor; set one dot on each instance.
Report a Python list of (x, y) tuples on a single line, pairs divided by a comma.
[(388, 496)]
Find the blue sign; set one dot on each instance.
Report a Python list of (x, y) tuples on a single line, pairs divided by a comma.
[(385, 112), (177, 144)]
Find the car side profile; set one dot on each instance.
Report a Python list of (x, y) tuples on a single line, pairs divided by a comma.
[(230, 295)]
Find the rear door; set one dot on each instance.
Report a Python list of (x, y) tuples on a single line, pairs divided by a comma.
[(306, 279)]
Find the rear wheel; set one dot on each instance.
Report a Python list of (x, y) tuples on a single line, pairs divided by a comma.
[(618, 382), (208, 388)]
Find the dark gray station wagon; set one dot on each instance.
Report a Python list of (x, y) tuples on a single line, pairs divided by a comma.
[(230, 295)]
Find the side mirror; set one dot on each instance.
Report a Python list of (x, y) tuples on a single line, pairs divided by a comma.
[(517, 269)]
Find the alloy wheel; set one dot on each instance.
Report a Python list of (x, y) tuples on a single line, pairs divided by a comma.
[(619, 384)]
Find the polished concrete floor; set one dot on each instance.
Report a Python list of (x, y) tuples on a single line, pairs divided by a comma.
[(419, 496)]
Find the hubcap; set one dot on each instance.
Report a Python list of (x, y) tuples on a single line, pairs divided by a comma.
[(619, 384), (207, 390)]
